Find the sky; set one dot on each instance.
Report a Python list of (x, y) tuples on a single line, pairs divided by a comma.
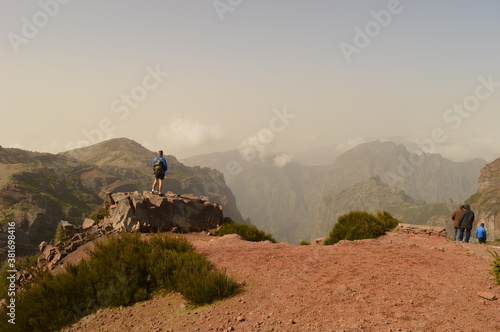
[(194, 77)]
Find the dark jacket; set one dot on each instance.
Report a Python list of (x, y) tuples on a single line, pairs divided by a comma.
[(456, 217), (467, 218)]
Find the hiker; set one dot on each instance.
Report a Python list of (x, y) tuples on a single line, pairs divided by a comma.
[(456, 222), (159, 168), (466, 221), (481, 234)]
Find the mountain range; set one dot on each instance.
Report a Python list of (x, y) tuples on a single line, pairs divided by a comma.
[(290, 200), (37, 190)]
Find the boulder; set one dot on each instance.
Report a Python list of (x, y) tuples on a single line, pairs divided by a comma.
[(87, 223), (149, 212)]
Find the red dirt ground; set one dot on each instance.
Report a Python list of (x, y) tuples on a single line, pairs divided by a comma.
[(398, 282)]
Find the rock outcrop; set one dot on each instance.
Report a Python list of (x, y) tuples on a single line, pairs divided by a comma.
[(130, 212), (421, 230), (148, 212)]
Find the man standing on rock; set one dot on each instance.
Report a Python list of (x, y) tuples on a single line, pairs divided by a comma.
[(456, 222), (466, 221), (159, 168)]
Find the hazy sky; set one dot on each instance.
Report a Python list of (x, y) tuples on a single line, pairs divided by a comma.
[(193, 77)]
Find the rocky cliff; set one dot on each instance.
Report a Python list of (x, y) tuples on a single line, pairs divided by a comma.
[(486, 202)]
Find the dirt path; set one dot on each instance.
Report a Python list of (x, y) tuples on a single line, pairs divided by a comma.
[(398, 282)]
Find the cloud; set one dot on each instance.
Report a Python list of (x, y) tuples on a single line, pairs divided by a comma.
[(182, 133), (282, 159)]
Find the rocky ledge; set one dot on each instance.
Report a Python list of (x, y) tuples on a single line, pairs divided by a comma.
[(421, 230), (132, 212)]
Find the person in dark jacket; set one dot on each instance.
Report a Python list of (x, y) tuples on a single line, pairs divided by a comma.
[(466, 221), (456, 222), (481, 234)]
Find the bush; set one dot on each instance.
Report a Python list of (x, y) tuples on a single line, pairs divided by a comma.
[(22, 263), (120, 271), (387, 220), (249, 233), (361, 225), (100, 213), (495, 266), (61, 234), (305, 243)]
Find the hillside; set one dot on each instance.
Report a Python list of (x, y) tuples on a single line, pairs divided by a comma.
[(37, 190), (284, 199), (486, 202), (398, 282)]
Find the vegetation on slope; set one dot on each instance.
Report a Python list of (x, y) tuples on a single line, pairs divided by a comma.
[(248, 232), (122, 270), (495, 266)]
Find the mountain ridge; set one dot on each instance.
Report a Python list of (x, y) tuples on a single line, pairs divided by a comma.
[(284, 200)]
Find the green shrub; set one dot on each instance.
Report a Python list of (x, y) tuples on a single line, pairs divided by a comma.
[(61, 234), (495, 266), (100, 213), (22, 263), (249, 233), (361, 225), (305, 243), (387, 220), (120, 271)]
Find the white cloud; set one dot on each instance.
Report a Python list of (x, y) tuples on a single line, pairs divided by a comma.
[(182, 133), (282, 159)]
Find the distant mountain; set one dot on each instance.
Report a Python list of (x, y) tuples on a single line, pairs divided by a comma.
[(37, 190), (486, 202), (430, 177), (215, 160), (319, 156), (284, 200), (130, 165)]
